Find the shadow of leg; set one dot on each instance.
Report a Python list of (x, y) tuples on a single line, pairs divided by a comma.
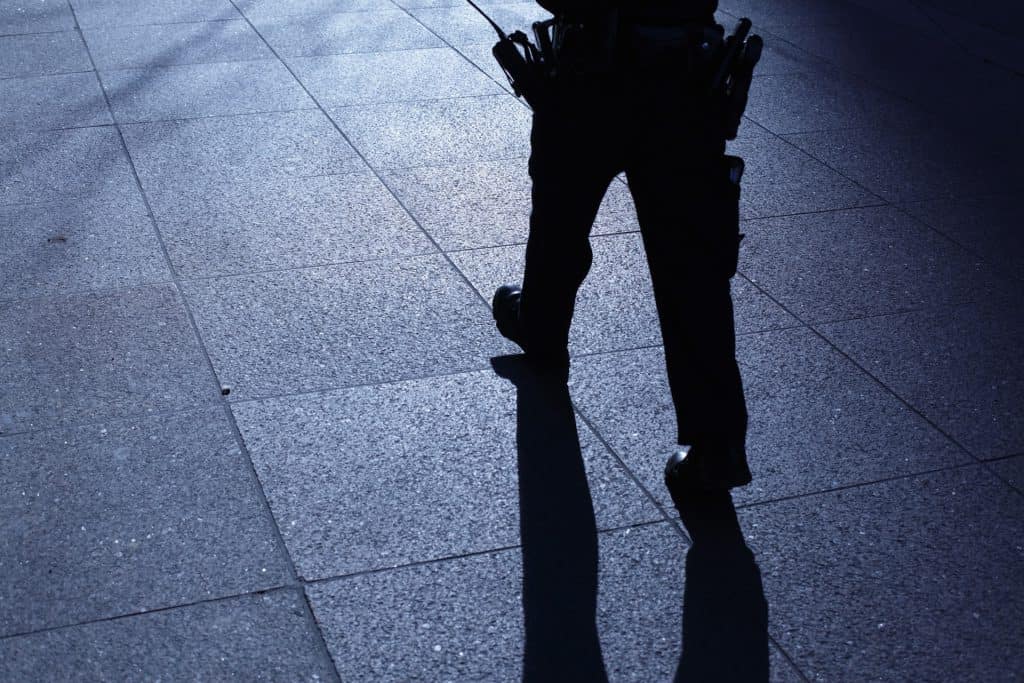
[(558, 531), (725, 614)]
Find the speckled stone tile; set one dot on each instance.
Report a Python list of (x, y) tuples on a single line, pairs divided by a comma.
[(1011, 470), (42, 54), (488, 204), (259, 637), (615, 307), (84, 163), (195, 90), (35, 16), (267, 10), (870, 261), (128, 12), (462, 25), (960, 367), (914, 166), (481, 55), (98, 356), (905, 580), (439, 73), (378, 477), (463, 619), (816, 421), (122, 517), (48, 249), (287, 223), (988, 226), (186, 155), (780, 179), (128, 47), (825, 99), (438, 133), (326, 34), (60, 101), (338, 326)]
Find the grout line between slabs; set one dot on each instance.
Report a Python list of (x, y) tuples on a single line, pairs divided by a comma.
[(262, 500)]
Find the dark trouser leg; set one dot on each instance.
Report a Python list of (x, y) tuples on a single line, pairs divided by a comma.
[(690, 235), (568, 185)]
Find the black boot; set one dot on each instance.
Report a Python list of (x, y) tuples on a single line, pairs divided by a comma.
[(505, 307), (706, 468)]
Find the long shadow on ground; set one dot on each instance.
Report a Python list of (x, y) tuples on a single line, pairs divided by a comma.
[(725, 615)]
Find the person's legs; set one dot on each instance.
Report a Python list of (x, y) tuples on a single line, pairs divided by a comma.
[(570, 172), (688, 215)]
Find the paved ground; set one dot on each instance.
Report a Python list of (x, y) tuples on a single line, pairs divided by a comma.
[(249, 425)]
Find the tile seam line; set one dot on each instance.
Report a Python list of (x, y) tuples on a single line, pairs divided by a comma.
[(291, 586), (884, 202), (299, 584), (812, 327), (504, 86), (859, 485), (326, 55), (247, 464), (44, 75), (478, 369), (468, 555)]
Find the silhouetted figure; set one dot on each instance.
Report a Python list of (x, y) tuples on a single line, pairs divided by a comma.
[(631, 94), (558, 531), (725, 615)]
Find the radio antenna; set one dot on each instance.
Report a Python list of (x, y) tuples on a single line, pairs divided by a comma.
[(501, 34)]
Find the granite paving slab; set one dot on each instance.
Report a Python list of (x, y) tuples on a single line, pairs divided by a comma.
[(488, 203), (914, 167), (60, 101), (960, 367), (825, 99), (255, 637), (780, 179), (437, 133), (332, 327), (463, 619), (377, 477), (98, 356), (615, 306), (35, 16), (196, 90), (432, 74), (46, 166), (42, 54), (286, 223), (186, 155), (129, 516), (480, 54), (988, 226), (462, 25), (817, 422), (861, 262), (128, 12), (263, 11), (325, 34), (48, 249), (129, 47), (910, 579), (1011, 470), (772, 14)]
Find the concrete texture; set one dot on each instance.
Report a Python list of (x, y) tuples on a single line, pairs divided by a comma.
[(256, 422)]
